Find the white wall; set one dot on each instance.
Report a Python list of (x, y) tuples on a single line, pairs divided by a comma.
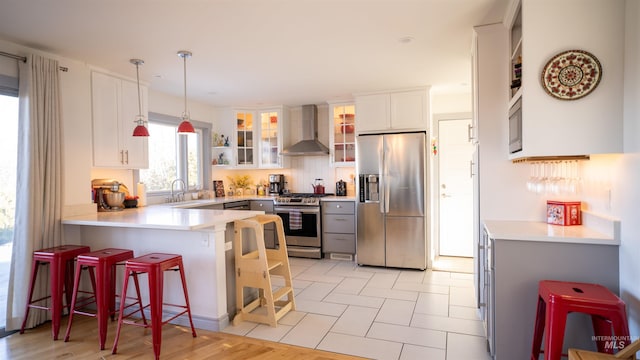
[(174, 106), (627, 199), (451, 103)]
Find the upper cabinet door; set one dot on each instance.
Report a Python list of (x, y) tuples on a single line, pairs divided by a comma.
[(272, 134), (245, 136), (104, 108), (136, 146), (342, 134), (409, 110), (402, 110), (373, 112), (114, 110)]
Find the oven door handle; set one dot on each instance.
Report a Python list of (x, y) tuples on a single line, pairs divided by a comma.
[(309, 210), (303, 249)]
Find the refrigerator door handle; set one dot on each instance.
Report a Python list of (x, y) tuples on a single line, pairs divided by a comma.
[(381, 182), (386, 196), (385, 174)]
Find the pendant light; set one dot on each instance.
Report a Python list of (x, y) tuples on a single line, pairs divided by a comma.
[(141, 129), (185, 126)]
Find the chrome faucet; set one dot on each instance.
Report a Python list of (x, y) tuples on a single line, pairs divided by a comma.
[(179, 196)]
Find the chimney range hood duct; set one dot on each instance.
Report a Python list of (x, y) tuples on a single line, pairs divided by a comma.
[(309, 145)]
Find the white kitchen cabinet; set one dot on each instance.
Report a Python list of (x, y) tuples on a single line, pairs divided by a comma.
[(554, 127), (342, 137), (512, 268), (114, 108), (272, 134), (392, 110), (256, 138), (489, 131), (244, 135)]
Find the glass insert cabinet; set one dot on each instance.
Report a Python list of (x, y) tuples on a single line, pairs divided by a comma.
[(269, 139), (343, 140), (258, 137), (244, 133)]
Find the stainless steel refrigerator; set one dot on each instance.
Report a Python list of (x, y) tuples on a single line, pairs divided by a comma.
[(391, 211)]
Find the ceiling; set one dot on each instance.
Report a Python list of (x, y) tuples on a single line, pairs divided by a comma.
[(262, 52)]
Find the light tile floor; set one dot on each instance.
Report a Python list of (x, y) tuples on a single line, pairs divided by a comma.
[(378, 313)]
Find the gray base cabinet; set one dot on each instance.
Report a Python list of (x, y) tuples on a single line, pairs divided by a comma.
[(338, 227), (270, 240), (512, 270)]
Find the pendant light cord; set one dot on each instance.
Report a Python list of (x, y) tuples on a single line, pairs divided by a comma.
[(138, 79), (185, 86)]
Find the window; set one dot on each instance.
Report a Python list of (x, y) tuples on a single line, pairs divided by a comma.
[(8, 170), (173, 156)]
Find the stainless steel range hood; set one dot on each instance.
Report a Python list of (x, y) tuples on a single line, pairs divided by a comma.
[(309, 145)]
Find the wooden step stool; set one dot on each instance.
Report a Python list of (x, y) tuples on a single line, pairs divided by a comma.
[(254, 269)]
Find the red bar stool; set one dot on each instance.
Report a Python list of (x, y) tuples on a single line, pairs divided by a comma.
[(154, 265), (556, 299), (104, 284), (60, 260)]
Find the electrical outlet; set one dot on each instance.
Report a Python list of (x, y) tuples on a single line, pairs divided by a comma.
[(205, 242), (227, 246)]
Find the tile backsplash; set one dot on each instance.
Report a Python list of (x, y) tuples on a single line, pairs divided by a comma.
[(299, 176)]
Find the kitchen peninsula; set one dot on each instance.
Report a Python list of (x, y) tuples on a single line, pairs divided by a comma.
[(196, 234)]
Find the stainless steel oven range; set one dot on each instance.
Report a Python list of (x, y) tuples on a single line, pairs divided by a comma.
[(300, 215)]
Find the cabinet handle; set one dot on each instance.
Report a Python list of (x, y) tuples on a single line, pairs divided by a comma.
[(260, 205), (127, 152), (469, 132), (338, 206), (471, 163), (340, 219), (121, 156)]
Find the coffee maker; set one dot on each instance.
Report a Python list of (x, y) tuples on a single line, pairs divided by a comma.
[(276, 184)]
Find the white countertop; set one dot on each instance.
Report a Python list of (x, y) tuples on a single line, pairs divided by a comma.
[(338, 198), (540, 231), (221, 200), (177, 216), (161, 217)]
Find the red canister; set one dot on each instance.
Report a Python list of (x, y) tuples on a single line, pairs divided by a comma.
[(564, 213)]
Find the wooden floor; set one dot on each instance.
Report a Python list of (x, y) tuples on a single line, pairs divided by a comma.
[(135, 343)]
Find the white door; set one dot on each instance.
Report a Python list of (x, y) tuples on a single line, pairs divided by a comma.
[(455, 188)]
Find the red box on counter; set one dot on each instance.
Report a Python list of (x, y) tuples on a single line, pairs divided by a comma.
[(564, 213)]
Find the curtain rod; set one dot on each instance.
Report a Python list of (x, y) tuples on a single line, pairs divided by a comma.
[(24, 59)]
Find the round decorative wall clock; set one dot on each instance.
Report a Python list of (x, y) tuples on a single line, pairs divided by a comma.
[(571, 75)]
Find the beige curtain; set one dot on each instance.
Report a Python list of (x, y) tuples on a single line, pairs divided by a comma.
[(39, 183)]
